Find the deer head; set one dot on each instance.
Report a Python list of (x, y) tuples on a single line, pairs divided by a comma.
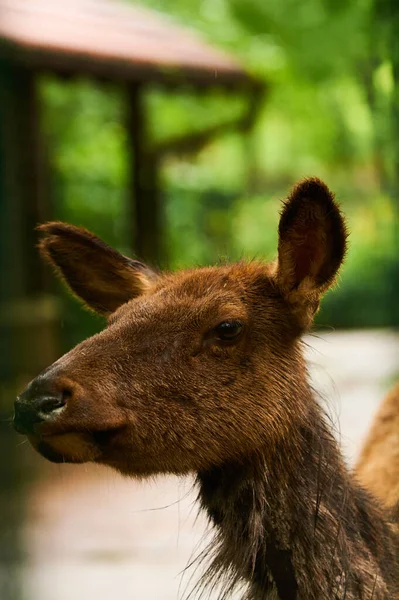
[(194, 368)]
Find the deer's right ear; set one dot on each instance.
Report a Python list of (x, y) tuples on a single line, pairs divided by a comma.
[(99, 275)]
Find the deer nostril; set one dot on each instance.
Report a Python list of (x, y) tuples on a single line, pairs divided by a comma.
[(50, 404), (41, 401), (30, 412)]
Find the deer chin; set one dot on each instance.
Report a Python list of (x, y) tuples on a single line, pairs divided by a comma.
[(66, 447)]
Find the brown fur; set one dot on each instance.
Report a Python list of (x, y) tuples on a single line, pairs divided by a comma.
[(378, 466), (161, 390)]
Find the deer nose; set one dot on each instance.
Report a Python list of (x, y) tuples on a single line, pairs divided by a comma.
[(39, 402)]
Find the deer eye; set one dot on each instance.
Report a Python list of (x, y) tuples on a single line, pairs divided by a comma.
[(228, 331)]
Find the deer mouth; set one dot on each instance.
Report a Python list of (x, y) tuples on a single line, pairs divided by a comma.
[(48, 452), (74, 447)]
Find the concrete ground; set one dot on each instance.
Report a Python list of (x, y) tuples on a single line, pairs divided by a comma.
[(83, 532)]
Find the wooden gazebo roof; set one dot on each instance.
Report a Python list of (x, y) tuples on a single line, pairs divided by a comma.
[(112, 39)]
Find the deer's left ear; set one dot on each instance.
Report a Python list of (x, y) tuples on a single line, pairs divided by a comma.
[(311, 248)]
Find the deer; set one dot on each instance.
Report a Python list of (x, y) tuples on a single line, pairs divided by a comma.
[(377, 468), (202, 372)]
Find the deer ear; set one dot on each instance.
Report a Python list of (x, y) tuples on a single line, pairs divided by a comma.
[(311, 248), (99, 275)]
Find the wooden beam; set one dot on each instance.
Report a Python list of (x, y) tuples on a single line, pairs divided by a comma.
[(124, 71), (193, 142), (144, 194)]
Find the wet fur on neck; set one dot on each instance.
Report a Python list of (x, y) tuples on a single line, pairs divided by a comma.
[(295, 526)]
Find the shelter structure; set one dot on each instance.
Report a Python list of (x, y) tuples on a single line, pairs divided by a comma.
[(110, 41)]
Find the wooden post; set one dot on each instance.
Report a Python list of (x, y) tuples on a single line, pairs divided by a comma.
[(144, 194), (27, 342)]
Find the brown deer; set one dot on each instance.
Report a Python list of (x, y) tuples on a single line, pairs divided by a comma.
[(378, 466), (202, 371)]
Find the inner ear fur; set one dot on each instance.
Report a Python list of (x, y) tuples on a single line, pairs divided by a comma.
[(312, 246), (97, 273)]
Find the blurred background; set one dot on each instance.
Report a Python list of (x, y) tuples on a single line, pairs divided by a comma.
[(173, 130)]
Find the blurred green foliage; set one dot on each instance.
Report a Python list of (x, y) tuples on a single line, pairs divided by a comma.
[(332, 110)]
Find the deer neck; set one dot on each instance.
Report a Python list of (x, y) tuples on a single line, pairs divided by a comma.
[(292, 525)]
